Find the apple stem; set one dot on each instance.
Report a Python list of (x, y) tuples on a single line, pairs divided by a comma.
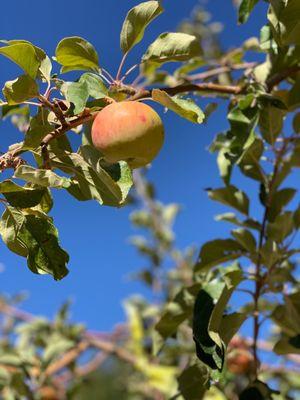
[(121, 66)]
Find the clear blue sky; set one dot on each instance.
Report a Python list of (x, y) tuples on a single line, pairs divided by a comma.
[(97, 237)]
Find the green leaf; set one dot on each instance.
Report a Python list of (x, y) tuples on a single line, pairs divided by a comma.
[(287, 345), (172, 47), (189, 66), (78, 92), (45, 256), (284, 17), (208, 314), (217, 252), (294, 95), (186, 108), (296, 218), (280, 199), (230, 325), (232, 197), (194, 381), (245, 10), (23, 54), (20, 90), (249, 162), (90, 181), (287, 315), (136, 21), (176, 312), (247, 223), (282, 227), (38, 129), (75, 53), (258, 391), (56, 346), (235, 142), (42, 177), (271, 123), (34, 236), (245, 238), (10, 224), (21, 197), (44, 71), (122, 175), (296, 123)]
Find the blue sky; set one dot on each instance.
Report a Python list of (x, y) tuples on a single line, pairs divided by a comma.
[(97, 237)]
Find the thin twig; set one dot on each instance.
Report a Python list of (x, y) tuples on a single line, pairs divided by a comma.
[(220, 70)]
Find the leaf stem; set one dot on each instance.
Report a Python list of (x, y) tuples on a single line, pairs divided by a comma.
[(128, 72), (107, 74), (121, 66)]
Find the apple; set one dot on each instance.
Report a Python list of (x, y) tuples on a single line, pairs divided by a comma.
[(130, 131)]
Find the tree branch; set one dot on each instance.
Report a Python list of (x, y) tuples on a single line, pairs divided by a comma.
[(192, 87), (281, 76)]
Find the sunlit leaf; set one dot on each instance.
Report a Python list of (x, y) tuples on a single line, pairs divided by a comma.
[(75, 53), (24, 55), (136, 21), (186, 108), (21, 89)]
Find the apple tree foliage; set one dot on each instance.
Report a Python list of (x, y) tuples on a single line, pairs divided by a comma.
[(183, 345)]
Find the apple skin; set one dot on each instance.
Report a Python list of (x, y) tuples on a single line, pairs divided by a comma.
[(130, 131)]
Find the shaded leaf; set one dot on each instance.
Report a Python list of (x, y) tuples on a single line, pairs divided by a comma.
[(280, 199), (282, 227), (21, 197), (231, 196), (258, 391), (217, 252), (34, 236), (284, 18), (245, 9), (175, 312), (194, 381), (208, 314), (271, 123), (249, 162), (38, 129), (230, 325), (245, 238)]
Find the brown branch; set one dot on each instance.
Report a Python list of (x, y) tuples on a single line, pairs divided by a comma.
[(281, 76), (71, 124), (192, 87), (111, 348), (67, 358)]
